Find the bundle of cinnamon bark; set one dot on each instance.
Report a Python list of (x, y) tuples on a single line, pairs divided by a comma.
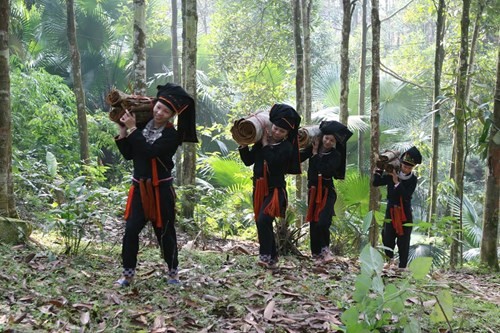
[(307, 134), (141, 106), (250, 129)]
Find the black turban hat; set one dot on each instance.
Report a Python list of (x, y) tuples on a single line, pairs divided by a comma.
[(286, 117), (179, 101)]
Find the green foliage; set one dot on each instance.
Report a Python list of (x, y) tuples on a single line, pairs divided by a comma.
[(376, 304)]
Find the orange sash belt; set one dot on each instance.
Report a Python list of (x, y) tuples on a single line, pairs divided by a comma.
[(150, 197), (398, 216), (317, 201)]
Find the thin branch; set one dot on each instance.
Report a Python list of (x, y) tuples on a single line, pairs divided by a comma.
[(386, 70), (392, 15)]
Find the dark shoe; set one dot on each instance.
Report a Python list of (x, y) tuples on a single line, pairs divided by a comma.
[(173, 279)]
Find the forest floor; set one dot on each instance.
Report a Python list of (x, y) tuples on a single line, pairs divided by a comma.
[(222, 290)]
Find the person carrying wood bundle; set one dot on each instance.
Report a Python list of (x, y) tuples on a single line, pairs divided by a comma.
[(151, 196), (327, 160), (275, 155), (400, 187)]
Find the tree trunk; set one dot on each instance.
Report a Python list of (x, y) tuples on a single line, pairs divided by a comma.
[(299, 85), (140, 47), (438, 66), (175, 52), (459, 132), (190, 24), (489, 241), (177, 78), (13, 231), (344, 62), (306, 30), (473, 43), (77, 82), (362, 88), (374, 118)]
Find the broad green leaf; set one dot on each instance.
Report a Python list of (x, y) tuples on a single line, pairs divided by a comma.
[(394, 299), (362, 285), (350, 316), (446, 302), (412, 327), (367, 221), (378, 285), (420, 267), (51, 163), (371, 261)]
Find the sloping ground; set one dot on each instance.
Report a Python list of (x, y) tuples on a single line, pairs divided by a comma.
[(222, 290)]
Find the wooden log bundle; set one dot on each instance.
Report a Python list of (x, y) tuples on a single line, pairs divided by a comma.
[(249, 130), (141, 106), (307, 134)]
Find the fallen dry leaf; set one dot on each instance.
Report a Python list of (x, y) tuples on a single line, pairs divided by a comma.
[(268, 311)]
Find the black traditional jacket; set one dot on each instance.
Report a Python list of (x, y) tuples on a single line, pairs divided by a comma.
[(322, 163), (397, 194), (277, 157), (134, 147)]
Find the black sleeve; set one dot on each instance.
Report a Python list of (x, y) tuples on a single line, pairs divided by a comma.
[(380, 179), (124, 147), (247, 155), (407, 187), (305, 153)]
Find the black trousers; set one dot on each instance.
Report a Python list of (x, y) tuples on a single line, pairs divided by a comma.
[(391, 239), (166, 236), (265, 229), (319, 232)]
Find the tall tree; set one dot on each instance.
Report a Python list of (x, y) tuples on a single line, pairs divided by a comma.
[(458, 158), (299, 80), (77, 82), (7, 208), (139, 62), (375, 116), (189, 38), (175, 51), (306, 31), (362, 86), (436, 116), (348, 8), (489, 242)]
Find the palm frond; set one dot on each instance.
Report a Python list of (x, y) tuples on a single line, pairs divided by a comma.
[(472, 224), (227, 172), (437, 254), (354, 123)]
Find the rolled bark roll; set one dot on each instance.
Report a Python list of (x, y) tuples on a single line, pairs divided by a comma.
[(307, 134), (141, 106), (249, 130)]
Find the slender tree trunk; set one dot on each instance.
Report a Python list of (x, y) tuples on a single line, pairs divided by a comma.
[(374, 118), (473, 44), (344, 61), (139, 62), (459, 132), (299, 84), (436, 116), (362, 88), (175, 52), (6, 187), (306, 30), (77, 82), (489, 241), (190, 19), (177, 79)]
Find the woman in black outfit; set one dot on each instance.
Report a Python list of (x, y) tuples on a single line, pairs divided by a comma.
[(327, 160), (274, 156), (152, 196), (400, 188)]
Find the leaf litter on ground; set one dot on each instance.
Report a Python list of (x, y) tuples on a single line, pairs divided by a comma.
[(222, 290)]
